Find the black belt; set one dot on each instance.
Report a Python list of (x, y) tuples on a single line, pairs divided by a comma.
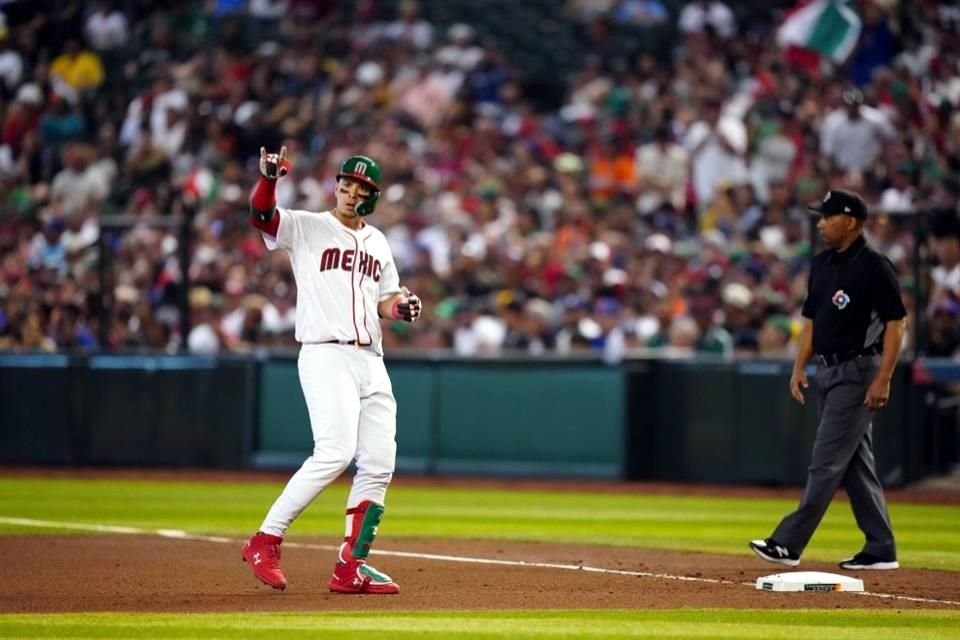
[(833, 359), (349, 343)]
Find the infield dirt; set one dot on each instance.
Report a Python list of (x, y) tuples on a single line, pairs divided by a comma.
[(144, 573), (148, 573)]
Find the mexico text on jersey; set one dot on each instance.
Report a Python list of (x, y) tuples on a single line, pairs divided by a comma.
[(341, 276), (366, 264)]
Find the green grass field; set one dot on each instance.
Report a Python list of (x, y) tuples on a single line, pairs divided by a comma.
[(927, 535), (654, 625)]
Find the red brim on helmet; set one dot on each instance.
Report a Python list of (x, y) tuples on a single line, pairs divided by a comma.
[(362, 178)]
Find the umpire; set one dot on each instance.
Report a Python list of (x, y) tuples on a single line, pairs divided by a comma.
[(854, 328)]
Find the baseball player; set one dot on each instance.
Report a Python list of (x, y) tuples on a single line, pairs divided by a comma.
[(346, 280)]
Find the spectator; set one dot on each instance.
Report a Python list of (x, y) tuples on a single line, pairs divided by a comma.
[(944, 330), (266, 16), (76, 185), (47, 251), (612, 171), (684, 335), (23, 117), (916, 56), (408, 28), (716, 145), (942, 86), (11, 62), (852, 136), (427, 97), (31, 337), (662, 167), (775, 336), (148, 164), (946, 274), (106, 28), (504, 183), (739, 322), (61, 124), (877, 47), (899, 196), (697, 16), (778, 145), (460, 50), (77, 67)]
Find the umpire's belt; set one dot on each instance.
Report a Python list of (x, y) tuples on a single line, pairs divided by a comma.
[(833, 359)]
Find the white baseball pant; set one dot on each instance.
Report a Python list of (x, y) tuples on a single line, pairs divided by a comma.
[(353, 415)]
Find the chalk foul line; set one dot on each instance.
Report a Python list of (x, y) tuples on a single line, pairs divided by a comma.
[(179, 534)]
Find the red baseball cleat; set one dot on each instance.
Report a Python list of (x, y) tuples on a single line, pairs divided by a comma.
[(262, 553), (354, 575)]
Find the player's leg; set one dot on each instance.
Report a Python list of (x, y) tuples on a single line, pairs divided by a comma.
[(843, 422), (376, 443), (330, 387), (376, 459)]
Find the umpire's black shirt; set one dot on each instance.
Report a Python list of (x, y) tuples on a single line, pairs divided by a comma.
[(851, 296)]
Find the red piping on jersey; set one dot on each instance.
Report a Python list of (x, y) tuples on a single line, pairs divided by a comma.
[(362, 273), (353, 289)]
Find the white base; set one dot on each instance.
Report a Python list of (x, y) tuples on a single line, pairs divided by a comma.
[(808, 581)]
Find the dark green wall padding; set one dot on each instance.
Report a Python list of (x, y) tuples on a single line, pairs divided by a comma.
[(736, 422), (665, 420), (457, 417)]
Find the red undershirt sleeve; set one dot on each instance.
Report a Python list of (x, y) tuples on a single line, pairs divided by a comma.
[(263, 207)]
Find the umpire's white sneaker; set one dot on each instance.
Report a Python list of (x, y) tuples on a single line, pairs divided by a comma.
[(771, 551), (865, 561)]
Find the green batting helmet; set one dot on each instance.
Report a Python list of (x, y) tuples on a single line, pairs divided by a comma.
[(367, 171)]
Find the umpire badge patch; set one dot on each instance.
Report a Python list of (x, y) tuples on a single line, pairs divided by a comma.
[(841, 299)]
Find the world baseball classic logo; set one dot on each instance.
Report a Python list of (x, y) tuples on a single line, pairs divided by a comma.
[(841, 299)]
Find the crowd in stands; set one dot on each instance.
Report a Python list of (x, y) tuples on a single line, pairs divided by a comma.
[(660, 206)]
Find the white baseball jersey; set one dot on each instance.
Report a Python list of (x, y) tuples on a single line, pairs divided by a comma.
[(341, 274)]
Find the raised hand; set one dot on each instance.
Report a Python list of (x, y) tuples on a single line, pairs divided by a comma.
[(274, 165)]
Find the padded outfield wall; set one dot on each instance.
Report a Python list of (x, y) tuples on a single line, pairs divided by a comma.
[(672, 420)]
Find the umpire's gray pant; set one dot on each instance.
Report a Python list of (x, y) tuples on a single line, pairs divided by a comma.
[(842, 451)]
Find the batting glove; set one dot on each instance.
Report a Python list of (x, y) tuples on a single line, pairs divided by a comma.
[(274, 165), (408, 307)]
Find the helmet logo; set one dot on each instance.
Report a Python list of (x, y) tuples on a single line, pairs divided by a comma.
[(360, 168)]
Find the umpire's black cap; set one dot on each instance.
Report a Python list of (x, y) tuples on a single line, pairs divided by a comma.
[(840, 201)]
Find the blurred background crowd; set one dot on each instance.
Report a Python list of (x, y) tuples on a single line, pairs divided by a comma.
[(559, 176)]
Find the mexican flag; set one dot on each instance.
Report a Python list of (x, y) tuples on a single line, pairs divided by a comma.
[(829, 28), (202, 184)]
